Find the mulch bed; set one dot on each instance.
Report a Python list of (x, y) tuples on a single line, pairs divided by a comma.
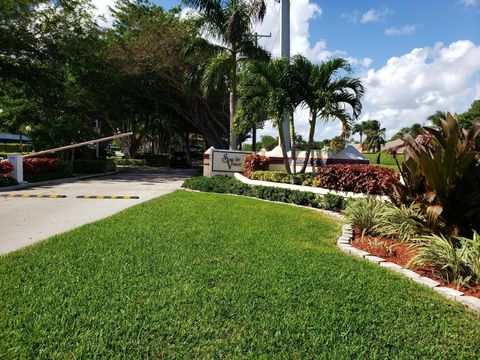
[(400, 253)]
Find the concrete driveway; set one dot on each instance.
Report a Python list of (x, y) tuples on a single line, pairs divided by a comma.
[(24, 221)]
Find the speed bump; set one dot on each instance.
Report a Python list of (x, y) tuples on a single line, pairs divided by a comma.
[(107, 197), (51, 196)]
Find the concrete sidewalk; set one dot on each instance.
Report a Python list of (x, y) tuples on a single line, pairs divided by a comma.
[(24, 221)]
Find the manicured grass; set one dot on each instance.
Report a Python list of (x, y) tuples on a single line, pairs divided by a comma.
[(193, 275)]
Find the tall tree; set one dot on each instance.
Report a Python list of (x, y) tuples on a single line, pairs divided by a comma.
[(231, 22), (375, 136), (436, 118), (270, 83), (328, 91)]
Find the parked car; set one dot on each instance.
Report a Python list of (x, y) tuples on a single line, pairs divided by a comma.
[(180, 159)]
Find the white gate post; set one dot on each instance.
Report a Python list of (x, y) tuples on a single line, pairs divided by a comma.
[(17, 161)]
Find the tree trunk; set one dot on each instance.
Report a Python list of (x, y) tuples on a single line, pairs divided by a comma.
[(292, 144), (233, 101), (254, 138), (282, 146), (311, 135)]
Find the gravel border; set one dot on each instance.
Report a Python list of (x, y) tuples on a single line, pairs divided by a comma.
[(344, 243)]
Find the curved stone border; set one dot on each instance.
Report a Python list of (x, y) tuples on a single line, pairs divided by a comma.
[(344, 243)]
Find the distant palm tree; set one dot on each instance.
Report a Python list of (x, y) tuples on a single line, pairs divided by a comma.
[(375, 136), (358, 129), (435, 118), (231, 22)]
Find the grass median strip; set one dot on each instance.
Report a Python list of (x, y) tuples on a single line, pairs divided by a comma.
[(118, 197), (39, 196), (194, 275)]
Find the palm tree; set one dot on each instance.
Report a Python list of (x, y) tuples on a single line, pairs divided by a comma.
[(358, 129), (269, 85), (327, 94), (230, 22), (435, 118), (375, 135)]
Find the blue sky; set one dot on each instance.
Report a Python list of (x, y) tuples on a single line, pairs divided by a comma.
[(413, 56)]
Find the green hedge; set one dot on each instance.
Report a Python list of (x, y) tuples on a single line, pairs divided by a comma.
[(134, 162), (156, 160), (15, 147), (63, 172), (93, 166), (229, 185)]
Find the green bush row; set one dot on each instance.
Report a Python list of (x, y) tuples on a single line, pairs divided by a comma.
[(229, 185), (65, 171), (134, 162), (93, 166), (15, 147)]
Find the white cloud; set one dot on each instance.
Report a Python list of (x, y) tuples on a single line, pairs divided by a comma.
[(469, 2), (409, 88), (102, 11), (404, 30), (375, 15)]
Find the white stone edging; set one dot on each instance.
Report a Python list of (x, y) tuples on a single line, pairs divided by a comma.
[(344, 243), (315, 190)]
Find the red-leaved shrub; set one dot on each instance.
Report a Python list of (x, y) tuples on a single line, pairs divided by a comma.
[(366, 179), (40, 165), (254, 163), (6, 167)]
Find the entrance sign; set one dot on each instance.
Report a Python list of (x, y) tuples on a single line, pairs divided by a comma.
[(223, 162)]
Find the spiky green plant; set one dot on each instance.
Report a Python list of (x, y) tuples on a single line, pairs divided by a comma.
[(403, 223), (455, 260), (366, 214)]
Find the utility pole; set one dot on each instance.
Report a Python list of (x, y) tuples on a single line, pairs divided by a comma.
[(285, 52), (254, 128)]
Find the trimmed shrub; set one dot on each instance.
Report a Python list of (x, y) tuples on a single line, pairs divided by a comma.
[(93, 166), (32, 166), (6, 167), (366, 179), (273, 176), (255, 163), (333, 202), (388, 159), (43, 169), (229, 185), (15, 147), (127, 162)]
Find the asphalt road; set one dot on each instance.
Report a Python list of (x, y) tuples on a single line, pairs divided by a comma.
[(24, 221)]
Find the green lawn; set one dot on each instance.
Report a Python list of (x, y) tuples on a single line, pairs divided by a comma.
[(193, 275)]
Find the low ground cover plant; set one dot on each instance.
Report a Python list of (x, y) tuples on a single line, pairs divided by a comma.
[(229, 185), (126, 162)]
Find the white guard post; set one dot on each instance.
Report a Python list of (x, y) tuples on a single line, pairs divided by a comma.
[(223, 162), (17, 161)]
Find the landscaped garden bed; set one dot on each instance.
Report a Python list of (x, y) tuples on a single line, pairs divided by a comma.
[(432, 223)]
